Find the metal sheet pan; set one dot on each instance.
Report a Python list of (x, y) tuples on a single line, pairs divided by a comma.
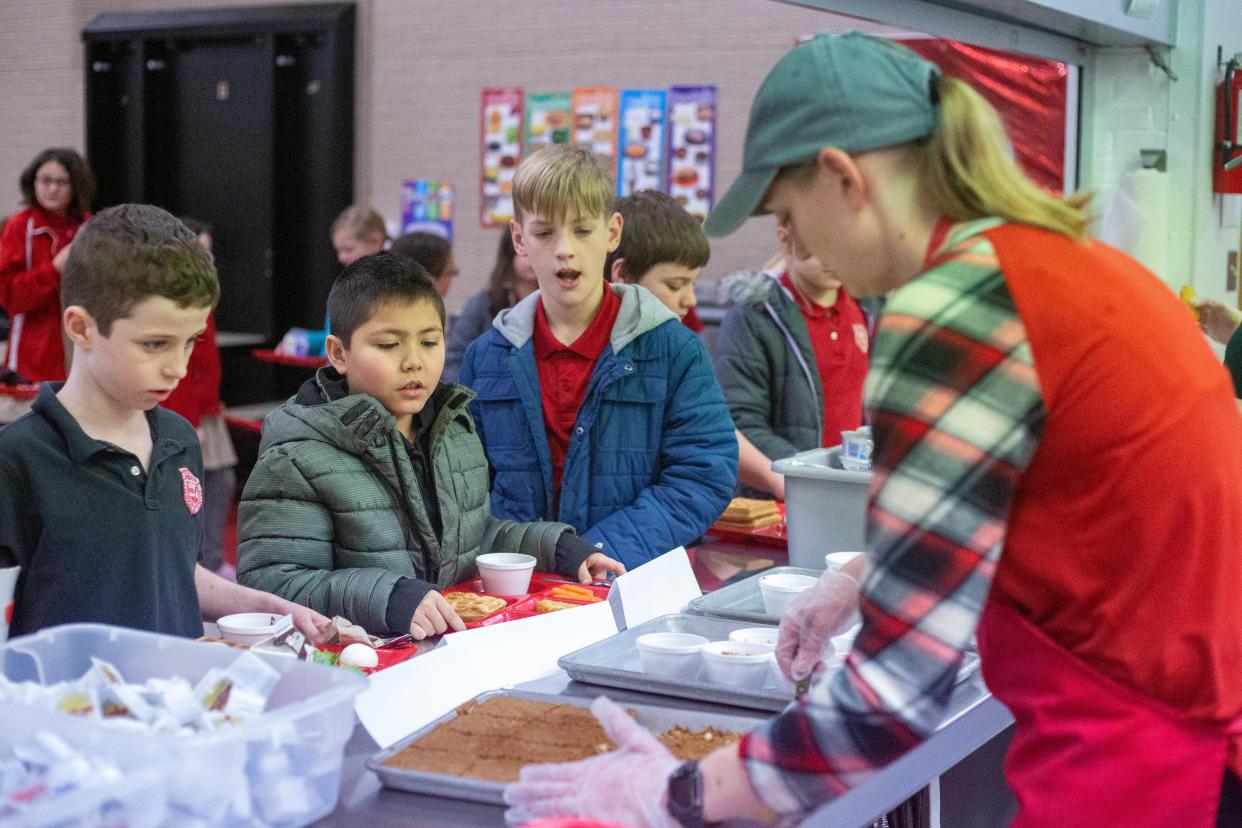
[(741, 601), (653, 717), (614, 662)]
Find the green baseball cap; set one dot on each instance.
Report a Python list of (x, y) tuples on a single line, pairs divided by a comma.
[(850, 91)]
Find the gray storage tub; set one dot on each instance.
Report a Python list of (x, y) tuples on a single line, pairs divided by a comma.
[(825, 506)]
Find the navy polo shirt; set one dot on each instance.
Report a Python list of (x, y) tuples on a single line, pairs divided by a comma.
[(98, 539)]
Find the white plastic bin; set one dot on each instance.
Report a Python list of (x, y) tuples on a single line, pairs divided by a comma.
[(282, 768), (825, 506), (137, 801)]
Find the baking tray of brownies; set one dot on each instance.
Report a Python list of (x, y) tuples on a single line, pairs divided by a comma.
[(472, 752)]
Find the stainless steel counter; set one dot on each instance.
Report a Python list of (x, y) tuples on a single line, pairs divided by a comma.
[(974, 720)]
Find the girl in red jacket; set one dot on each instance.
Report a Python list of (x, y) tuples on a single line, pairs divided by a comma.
[(57, 188)]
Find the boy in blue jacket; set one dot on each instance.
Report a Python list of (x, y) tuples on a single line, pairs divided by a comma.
[(595, 405)]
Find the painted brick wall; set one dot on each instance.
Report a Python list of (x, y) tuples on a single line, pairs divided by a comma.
[(421, 66)]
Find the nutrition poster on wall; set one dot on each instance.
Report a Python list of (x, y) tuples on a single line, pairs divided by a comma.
[(640, 164), (692, 147), (501, 151), (595, 120), (427, 206), (548, 117)]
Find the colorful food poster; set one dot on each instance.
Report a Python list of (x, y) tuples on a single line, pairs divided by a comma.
[(548, 118), (427, 206), (640, 164), (501, 151), (692, 147), (595, 120)]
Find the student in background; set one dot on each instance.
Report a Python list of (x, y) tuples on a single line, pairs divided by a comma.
[(595, 404), (434, 253), (57, 188), (793, 359), (664, 250), (358, 231), (512, 280), (197, 398), (370, 494), (101, 492)]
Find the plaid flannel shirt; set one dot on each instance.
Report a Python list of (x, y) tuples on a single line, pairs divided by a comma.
[(957, 413)]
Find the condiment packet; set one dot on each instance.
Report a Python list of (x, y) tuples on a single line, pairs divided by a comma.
[(75, 700), (240, 690), (342, 631)]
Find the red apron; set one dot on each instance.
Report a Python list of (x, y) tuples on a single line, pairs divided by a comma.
[(1088, 750)]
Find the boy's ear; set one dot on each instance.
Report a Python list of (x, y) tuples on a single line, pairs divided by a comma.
[(335, 349), (617, 273), (515, 233), (615, 225), (80, 327)]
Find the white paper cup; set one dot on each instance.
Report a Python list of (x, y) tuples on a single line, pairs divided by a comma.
[(248, 627), (670, 654), (737, 663), (837, 560), (505, 573), (765, 636), (8, 586), (783, 685), (779, 590)]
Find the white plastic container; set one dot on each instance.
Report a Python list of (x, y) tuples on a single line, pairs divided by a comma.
[(765, 636), (837, 560), (670, 654), (778, 591), (247, 627), (825, 506), (736, 663), (282, 768), (505, 573), (778, 678), (136, 801)]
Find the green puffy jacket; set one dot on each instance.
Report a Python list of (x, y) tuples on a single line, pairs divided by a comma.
[(331, 517)]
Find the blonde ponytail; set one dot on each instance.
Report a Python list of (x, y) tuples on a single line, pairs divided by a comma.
[(967, 172)]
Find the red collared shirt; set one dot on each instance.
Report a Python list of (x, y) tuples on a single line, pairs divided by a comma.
[(840, 340), (564, 374)]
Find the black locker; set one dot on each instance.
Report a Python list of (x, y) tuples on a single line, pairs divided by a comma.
[(242, 118)]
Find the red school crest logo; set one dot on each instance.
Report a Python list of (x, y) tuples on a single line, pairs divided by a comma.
[(192, 490), (860, 337)]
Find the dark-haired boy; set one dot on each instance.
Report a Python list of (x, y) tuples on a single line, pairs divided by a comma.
[(371, 490), (100, 487)]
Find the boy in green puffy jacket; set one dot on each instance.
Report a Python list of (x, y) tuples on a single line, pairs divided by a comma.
[(371, 489)]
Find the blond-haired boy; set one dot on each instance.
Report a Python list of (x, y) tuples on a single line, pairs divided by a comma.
[(595, 405)]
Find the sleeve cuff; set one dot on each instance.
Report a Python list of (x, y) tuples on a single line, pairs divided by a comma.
[(402, 601), (571, 551)]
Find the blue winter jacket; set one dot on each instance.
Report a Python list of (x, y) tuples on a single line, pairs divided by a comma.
[(652, 461)]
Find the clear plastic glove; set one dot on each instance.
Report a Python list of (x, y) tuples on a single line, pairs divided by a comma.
[(626, 786), (1217, 320), (812, 619)]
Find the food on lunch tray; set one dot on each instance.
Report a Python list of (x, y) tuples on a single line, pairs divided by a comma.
[(495, 738), (471, 606), (750, 513), (359, 655), (553, 606)]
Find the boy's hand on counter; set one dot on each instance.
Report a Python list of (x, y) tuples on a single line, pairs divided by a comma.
[(626, 786), (308, 622), (434, 616), (597, 567)]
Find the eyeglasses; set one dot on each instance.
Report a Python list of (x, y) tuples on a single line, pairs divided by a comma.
[(47, 181)]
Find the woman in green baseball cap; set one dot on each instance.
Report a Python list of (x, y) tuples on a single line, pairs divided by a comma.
[(1031, 391)]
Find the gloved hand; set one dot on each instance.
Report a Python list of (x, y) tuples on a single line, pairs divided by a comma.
[(812, 619), (625, 786)]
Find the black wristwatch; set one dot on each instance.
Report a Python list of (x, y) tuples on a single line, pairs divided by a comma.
[(685, 796)]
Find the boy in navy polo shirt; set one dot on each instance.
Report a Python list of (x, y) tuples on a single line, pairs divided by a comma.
[(100, 487), (595, 405)]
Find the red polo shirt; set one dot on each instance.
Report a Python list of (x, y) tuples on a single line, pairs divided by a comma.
[(564, 374), (840, 340)]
